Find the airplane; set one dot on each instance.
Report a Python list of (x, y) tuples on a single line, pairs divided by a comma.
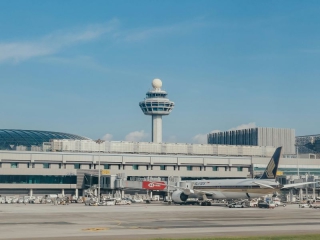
[(234, 188)]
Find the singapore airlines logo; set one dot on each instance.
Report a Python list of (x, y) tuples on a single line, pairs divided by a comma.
[(269, 170)]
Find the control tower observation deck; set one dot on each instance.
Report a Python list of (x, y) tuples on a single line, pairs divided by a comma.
[(156, 104)]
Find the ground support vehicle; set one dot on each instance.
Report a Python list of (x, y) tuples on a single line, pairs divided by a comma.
[(207, 202), (73, 199), (253, 203), (280, 204), (195, 201), (314, 205), (108, 202), (137, 200), (304, 205), (269, 205), (236, 205), (122, 202)]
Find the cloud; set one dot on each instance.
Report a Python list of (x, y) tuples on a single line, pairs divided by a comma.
[(79, 61), (171, 139), (215, 131), (107, 137), (53, 43), (136, 136), (200, 138), (136, 35), (244, 126)]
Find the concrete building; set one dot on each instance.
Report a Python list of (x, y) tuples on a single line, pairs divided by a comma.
[(259, 136), (157, 105), (308, 146), (158, 148), (39, 173)]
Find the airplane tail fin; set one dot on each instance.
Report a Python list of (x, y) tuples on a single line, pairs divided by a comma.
[(272, 168)]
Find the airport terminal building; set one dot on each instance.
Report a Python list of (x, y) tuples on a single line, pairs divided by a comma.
[(44, 162), (49, 166), (308, 146), (259, 136)]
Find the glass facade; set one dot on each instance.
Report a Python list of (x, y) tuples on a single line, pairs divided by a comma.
[(293, 171), (46, 165), (11, 138), (106, 166), (14, 165), (135, 167), (37, 179), (77, 166), (163, 167)]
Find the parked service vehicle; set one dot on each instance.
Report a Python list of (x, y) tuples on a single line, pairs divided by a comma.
[(236, 205), (8, 200), (155, 198), (108, 202), (73, 199), (269, 204), (253, 203), (315, 206), (278, 203), (26, 200), (304, 205), (2, 200), (137, 200), (122, 202)]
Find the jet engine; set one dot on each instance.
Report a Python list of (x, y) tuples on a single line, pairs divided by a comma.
[(179, 197)]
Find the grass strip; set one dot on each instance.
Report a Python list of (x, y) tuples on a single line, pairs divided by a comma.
[(284, 237)]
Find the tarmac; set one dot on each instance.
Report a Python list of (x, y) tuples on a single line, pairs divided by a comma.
[(150, 221)]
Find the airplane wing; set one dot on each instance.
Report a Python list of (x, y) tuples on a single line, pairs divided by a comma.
[(296, 184), (263, 185), (188, 190), (204, 192)]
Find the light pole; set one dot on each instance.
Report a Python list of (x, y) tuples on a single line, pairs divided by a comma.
[(99, 141)]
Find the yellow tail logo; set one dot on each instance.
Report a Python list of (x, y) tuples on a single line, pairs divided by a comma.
[(269, 170)]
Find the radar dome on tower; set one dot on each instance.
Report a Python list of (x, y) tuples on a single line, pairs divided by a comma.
[(156, 83)]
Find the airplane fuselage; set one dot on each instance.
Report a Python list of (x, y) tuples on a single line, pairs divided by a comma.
[(236, 188)]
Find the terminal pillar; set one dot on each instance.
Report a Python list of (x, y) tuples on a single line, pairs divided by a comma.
[(291, 195), (30, 192), (307, 193), (62, 192), (76, 193), (122, 193)]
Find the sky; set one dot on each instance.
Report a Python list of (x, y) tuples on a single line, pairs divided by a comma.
[(82, 67)]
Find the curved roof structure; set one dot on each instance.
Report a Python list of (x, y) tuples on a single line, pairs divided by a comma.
[(10, 138)]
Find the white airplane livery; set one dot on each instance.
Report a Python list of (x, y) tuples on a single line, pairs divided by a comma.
[(235, 188)]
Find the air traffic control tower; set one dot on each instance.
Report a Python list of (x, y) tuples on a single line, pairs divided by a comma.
[(156, 104)]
